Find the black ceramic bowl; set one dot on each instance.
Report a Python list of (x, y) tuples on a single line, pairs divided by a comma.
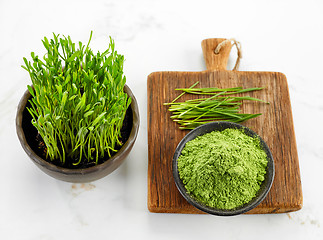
[(219, 126)]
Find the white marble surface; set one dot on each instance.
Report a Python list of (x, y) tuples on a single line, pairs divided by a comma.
[(284, 36)]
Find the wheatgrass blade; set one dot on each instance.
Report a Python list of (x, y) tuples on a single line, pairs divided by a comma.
[(220, 106), (81, 94)]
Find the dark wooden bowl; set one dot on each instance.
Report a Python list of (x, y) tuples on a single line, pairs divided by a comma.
[(76, 175), (219, 126)]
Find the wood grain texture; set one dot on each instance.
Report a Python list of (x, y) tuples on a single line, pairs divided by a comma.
[(215, 61), (275, 126)]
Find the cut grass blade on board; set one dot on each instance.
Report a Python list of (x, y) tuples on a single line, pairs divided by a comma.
[(220, 106)]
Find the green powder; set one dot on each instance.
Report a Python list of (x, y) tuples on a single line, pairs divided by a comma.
[(223, 169)]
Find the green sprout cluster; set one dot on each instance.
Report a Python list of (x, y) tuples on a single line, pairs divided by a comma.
[(78, 101)]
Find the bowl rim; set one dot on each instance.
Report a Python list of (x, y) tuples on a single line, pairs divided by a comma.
[(80, 171), (221, 125)]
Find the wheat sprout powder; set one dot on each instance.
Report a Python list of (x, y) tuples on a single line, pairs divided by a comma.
[(223, 169)]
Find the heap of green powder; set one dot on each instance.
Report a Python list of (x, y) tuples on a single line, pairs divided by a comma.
[(223, 169)]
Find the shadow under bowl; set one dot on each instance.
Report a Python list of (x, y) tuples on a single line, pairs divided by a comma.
[(219, 126)]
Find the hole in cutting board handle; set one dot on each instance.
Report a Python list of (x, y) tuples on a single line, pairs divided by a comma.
[(212, 60)]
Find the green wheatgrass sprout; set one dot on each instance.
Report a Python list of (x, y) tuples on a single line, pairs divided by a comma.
[(219, 107), (78, 101)]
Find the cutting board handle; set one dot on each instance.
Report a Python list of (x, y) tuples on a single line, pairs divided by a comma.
[(215, 61)]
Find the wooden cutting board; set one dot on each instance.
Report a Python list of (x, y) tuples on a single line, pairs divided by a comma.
[(275, 126)]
